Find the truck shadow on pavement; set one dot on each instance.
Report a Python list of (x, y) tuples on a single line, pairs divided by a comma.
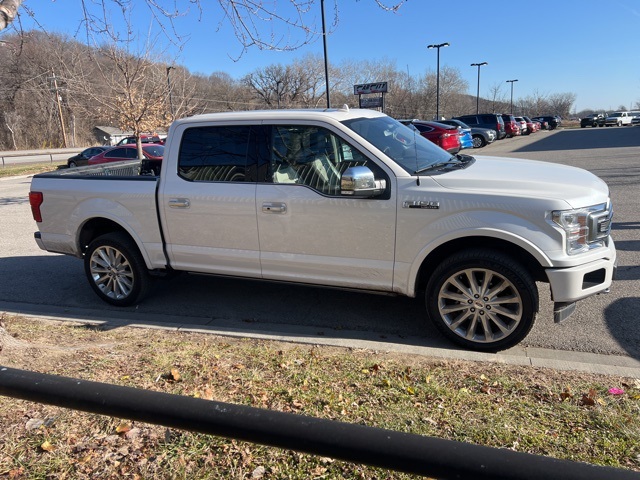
[(54, 286), (625, 332)]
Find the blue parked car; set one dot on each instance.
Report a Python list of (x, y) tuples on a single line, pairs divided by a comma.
[(466, 139)]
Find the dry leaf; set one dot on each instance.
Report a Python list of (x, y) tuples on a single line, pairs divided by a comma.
[(47, 447), (587, 400), (123, 428), (207, 394)]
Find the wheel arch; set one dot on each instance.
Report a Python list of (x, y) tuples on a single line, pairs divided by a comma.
[(98, 226), (438, 254)]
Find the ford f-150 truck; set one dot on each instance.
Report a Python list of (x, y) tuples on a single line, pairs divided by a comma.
[(339, 198)]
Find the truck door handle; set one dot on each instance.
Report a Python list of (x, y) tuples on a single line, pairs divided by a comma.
[(179, 203), (274, 207)]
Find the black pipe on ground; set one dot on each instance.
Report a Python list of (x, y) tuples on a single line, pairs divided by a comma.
[(410, 453)]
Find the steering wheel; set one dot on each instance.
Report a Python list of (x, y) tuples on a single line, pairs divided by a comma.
[(403, 139)]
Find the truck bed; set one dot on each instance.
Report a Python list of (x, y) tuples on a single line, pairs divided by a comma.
[(129, 168), (77, 200)]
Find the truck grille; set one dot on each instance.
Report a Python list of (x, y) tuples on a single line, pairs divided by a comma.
[(600, 224)]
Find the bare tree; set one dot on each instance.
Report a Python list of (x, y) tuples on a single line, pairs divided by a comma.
[(254, 22), (271, 84), (497, 97), (137, 98)]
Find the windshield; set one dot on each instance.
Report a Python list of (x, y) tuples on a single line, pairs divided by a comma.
[(401, 143), (154, 150)]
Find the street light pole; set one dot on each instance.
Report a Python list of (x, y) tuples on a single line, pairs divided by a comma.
[(478, 93), (438, 46), (511, 82)]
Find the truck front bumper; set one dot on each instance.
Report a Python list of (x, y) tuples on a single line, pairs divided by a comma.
[(575, 283)]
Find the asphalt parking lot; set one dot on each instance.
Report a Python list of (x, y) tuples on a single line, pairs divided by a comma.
[(41, 283)]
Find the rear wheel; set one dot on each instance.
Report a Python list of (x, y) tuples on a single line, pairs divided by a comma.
[(482, 300), (116, 270)]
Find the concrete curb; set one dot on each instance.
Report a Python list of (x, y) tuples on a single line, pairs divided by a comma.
[(613, 365)]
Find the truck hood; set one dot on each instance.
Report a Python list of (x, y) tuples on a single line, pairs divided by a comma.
[(529, 178)]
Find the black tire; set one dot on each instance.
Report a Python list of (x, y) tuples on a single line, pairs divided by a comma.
[(478, 141), (456, 301), (116, 270), (72, 164)]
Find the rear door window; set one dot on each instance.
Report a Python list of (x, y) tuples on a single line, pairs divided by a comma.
[(216, 153)]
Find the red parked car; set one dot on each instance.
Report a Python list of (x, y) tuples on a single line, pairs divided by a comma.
[(150, 151), (511, 126), (151, 163), (531, 125), (446, 137)]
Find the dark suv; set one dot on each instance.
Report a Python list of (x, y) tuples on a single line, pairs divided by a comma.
[(486, 120), (551, 121)]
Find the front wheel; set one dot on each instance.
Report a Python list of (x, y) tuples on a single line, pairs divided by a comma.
[(482, 300), (479, 141), (116, 270)]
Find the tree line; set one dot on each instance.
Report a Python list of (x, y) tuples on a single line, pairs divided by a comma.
[(54, 91)]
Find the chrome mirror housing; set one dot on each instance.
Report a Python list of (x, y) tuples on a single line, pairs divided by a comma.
[(360, 182)]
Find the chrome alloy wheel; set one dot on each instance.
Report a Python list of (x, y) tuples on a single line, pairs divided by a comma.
[(111, 272), (480, 305)]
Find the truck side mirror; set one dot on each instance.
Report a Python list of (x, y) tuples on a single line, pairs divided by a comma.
[(360, 182)]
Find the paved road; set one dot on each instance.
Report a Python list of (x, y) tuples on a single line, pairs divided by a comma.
[(33, 281)]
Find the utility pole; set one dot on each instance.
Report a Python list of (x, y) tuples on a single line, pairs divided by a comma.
[(326, 60), (58, 101), (170, 93)]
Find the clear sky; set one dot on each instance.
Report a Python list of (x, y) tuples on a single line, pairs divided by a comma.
[(587, 47)]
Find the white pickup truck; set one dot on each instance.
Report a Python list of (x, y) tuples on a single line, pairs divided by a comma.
[(339, 198), (618, 119)]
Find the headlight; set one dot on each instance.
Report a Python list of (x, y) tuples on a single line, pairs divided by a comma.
[(585, 228)]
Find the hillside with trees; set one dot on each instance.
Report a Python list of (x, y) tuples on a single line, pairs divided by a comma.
[(55, 91)]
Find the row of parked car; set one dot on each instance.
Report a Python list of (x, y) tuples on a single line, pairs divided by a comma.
[(476, 131), (452, 135), (615, 119), (125, 149)]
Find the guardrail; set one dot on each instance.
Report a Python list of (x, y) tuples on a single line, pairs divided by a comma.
[(404, 452), (10, 157)]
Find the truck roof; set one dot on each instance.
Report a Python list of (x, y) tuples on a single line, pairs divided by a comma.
[(337, 114)]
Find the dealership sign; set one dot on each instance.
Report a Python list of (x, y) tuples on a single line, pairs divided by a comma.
[(371, 102), (365, 88)]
